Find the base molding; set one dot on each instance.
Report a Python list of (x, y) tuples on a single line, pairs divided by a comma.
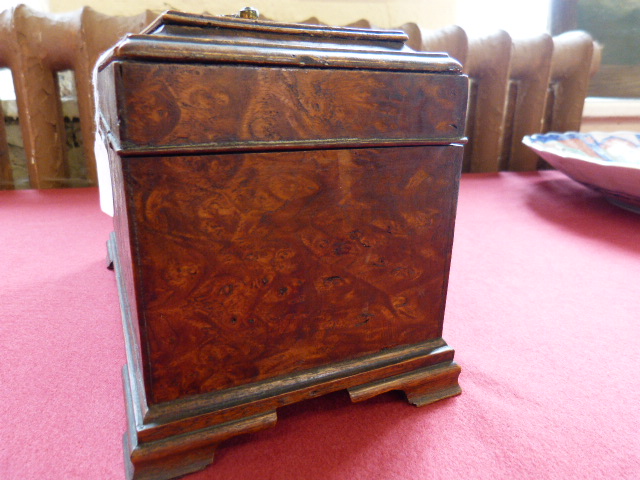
[(188, 452), (182, 453), (421, 387)]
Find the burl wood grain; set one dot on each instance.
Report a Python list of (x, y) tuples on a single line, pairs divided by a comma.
[(254, 266), (166, 105)]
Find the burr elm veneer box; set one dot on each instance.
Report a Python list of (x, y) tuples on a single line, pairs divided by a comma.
[(284, 198)]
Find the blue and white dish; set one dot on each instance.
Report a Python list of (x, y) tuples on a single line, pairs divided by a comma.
[(603, 161)]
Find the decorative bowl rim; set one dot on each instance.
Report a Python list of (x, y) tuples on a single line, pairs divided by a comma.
[(542, 142)]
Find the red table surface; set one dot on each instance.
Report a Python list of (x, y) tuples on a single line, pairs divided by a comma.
[(543, 311)]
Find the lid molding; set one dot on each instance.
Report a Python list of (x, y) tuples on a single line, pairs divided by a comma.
[(171, 17), (190, 38)]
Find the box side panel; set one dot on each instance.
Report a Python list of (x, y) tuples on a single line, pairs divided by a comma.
[(195, 106), (457, 153), (109, 84), (108, 81), (135, 334), (254, 266)]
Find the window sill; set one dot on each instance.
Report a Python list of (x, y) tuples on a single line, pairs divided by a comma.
[(611, 114)]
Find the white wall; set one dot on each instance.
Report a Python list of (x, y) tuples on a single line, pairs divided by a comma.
[(42, 5), (382, 13)]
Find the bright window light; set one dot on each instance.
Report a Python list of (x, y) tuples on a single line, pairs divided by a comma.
[(523, 18)]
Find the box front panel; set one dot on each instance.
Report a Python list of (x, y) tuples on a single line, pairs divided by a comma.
[(253, 266), (180, 106)]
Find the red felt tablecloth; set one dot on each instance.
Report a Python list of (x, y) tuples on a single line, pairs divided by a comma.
[(543, 311)]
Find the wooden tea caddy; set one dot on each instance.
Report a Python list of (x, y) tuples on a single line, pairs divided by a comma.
[(284, 200)]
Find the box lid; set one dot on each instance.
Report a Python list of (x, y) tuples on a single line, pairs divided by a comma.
[(192, 84)]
